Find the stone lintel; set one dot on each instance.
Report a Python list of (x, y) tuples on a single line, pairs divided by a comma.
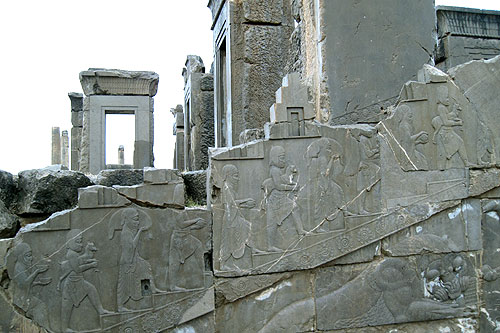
[(100, 81)]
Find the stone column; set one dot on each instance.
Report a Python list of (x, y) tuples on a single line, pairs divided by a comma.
[(56, 145), (65, 149), (76, 131), (179, 137), (110, 91), (198, 116), (121, 155)]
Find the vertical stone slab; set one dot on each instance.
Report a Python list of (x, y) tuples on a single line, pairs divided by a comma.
[(56, 145), (76, 131), (366, 50)]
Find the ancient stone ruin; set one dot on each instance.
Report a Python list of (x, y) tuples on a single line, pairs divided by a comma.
[(337, 171)]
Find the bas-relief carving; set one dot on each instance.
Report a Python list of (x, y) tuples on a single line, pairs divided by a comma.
[(311, 208), (28, 278), (434, 127), (396, 290), (116, 268)]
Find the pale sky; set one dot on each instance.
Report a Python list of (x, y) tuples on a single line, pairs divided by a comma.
[(45, 44)]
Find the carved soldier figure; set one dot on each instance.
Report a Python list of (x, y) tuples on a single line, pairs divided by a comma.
[(325, 195), (411, 140), (236, 229), (448, 141), (74, 286), (277, 188), (186, 256), (133, 268), (25, 277)]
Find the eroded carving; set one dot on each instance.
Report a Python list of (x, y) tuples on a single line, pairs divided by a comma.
[(73, 285), (132, 267), (27, 281), (235, 226), (280, 198)]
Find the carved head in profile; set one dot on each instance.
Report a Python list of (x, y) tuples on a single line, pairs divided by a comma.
[(23, 254), (130, 218), (230, 175), (277, 157), (74, 240), (442, 95)]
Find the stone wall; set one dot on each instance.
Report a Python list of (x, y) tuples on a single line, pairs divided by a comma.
[(466, 34)]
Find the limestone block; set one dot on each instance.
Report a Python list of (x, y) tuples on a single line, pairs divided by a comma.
[(163, 195), (161, 176), (259, 11), (9, 223), (100, 81), (44, 191), (119, 177), (455, 229), (286, 305), (251, 134), (292, 101), (115, 269), (98, 196), (396, 290), (391, 40)]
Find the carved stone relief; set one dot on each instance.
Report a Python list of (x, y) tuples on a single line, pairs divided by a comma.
[(435, 127), (396, 290), (114, 269)]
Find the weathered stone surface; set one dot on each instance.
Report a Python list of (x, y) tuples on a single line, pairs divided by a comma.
[(196, 187), (8, 222), (163, 195), (161, 176), (119, 177), (232, 289), (45, 191), (250, 135), (456, 229), (491, 266), (370, 49), (292, 102), (207, 82), (466, 34), (396, 290), (76, 102), (101, 81), (287, 305), (477, 81), (98, 196), (8, 188), (114, 269), (262, 12), (12, 321)]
